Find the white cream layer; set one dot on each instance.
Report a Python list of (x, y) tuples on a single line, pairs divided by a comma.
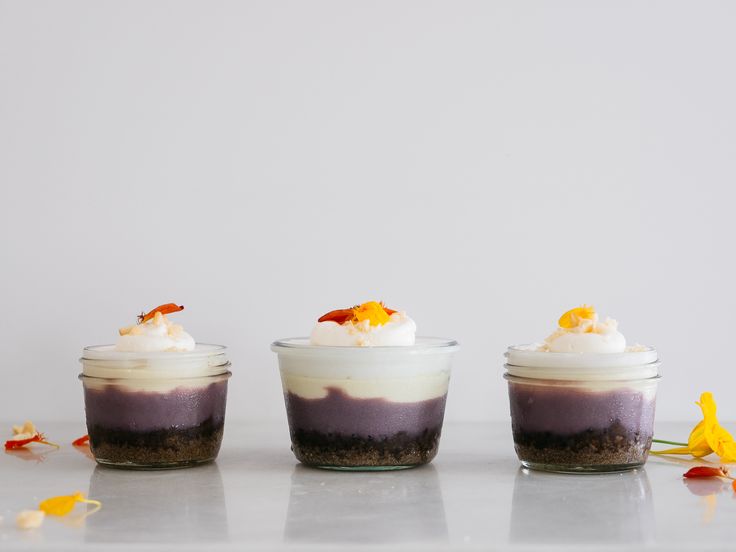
[(409, 389), (400, 330), (153, 371), (401, 374), (157, 334)]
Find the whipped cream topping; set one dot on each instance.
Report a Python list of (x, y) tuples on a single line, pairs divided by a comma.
[(367, 325), (156, 334), (581, 331)]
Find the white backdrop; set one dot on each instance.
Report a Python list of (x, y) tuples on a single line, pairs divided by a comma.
[(482, 165)]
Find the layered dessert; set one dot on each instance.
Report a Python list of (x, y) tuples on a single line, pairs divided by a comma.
[(155, 399), (363, 392), (582, 400)]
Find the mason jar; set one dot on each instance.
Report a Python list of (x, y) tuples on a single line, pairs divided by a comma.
[(155, 410), (365, 408), (582, 412)]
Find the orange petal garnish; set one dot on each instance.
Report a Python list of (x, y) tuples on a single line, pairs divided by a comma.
[(340, 316), (168, 308), (83, 440), (373, 311), (573, 317)]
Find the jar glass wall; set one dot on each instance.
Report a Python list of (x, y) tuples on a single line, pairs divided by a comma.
[(584, 413), (365, 408), (155, 410)]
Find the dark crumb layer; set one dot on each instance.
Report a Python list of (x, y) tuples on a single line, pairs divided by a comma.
[(158, 448), (351, 451), (613, 446)]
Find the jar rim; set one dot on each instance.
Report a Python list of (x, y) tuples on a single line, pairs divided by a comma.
[(105, 362), (527, 361), (108, 353), (422, 345)]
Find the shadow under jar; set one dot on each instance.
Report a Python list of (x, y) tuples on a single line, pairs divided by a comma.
[(365, 408), (582, 412), (155, 410)]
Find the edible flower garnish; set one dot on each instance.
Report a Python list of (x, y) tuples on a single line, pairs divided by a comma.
[(83, 440), (25, 435), (376, 314), (710, 471), (575, 317), (168, 308), (62, 505), (707, 471), (706, 437)]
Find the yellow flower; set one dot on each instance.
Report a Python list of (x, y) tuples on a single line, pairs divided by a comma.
[(574, 317), (708, 436), (62, 505), (371, 311)]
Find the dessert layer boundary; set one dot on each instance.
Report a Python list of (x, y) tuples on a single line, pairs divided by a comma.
[(406, 389)]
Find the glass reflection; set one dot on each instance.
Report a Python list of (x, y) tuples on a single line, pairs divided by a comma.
[(173, 506), (30, 455), (365, 507), (554, 508)]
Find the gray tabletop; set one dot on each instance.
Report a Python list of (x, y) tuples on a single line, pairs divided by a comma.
[(256, 497)]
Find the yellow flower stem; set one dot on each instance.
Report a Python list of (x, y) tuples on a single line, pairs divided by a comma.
[(96, 503), (662, 441), (681, 450)]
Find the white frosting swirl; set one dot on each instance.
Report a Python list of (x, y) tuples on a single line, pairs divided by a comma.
[(589, 336), (156, 334), (400, 330)]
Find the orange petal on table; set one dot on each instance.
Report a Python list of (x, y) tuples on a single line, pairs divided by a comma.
[(706, 471), (83, 440), (12, 444)]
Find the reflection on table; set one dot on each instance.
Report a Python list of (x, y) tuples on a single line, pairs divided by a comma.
[(576, 509), (186, 505), (365, 507)]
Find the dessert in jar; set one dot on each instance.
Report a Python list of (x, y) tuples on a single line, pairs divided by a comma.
[(155, 399), (363, 392), (582, 401)]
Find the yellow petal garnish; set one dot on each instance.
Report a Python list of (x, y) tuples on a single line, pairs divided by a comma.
[(573, 317), (371, 311), (62, 505), (708, 436)]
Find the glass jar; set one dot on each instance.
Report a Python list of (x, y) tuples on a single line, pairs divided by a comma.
[(365, 408), (155, 410), (582, 412)]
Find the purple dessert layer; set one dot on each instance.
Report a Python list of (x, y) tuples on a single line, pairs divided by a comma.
[(339, 413), (116, 407), (566, 411)]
